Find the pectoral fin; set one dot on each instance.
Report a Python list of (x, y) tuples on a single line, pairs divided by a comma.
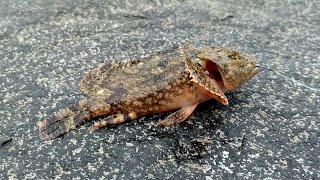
[(178, 116)]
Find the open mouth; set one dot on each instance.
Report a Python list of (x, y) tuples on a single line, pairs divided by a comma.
[(231, 76), (214, 74), (213, 70)]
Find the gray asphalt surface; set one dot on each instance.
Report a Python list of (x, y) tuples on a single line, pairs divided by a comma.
[(270, 130)]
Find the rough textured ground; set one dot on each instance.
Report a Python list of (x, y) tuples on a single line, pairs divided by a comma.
[(270, 130)]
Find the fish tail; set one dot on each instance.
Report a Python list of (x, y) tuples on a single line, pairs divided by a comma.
[(62, 122)]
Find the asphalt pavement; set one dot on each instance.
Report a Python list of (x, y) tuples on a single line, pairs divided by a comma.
[(270, 130)]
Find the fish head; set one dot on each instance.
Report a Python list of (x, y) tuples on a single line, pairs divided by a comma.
[(219, 70), (228, 67)]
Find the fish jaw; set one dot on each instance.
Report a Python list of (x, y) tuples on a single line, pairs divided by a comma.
[(228, 67), (219, 70)]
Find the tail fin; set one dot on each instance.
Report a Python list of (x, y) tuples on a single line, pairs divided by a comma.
[(61, 122)]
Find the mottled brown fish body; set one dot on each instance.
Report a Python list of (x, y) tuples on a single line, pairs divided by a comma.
[(179, 94), (176, 79)]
